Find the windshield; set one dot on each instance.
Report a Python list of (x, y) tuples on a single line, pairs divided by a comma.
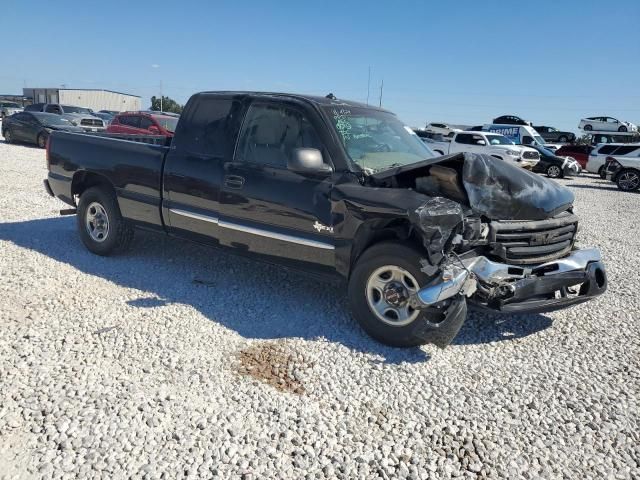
[(539, 140), (498, 140), (51, 119), (70, 109), (376, 140), (168, 123), (10, 105)]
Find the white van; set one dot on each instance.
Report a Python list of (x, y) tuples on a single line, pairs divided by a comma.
[(518, 134)]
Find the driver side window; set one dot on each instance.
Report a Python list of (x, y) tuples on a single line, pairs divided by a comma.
[(270, 134)]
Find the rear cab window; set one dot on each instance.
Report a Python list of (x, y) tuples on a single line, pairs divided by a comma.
[(210, 128)]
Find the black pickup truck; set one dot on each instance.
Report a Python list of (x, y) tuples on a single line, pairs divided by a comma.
[(339, 189)]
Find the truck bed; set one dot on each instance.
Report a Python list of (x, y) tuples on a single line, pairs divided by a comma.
[(132, 167)]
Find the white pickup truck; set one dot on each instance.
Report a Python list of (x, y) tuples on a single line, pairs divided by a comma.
[(493, 144)]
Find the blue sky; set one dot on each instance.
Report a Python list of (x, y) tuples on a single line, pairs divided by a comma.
[(462, 61)]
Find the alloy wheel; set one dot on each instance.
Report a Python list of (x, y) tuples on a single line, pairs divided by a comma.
[(629, 181), (388, 290), (97, 222)]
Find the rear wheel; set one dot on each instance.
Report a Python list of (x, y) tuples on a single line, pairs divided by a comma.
[(563, 139), (602, 173), (8, 136), (100, 224), (622, 129), (628, 180), (554, 171), (379, 288), (588, 128), (42, 140)]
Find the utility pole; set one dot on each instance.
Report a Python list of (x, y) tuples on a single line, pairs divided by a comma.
[(161, 95), (381, 87), (368, 84)]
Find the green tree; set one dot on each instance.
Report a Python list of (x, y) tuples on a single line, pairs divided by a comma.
[(168, 105)]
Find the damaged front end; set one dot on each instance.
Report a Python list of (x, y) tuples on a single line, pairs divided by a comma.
[(497, 238)]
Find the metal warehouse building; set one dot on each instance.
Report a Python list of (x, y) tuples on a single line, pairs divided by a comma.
[(94, 99)]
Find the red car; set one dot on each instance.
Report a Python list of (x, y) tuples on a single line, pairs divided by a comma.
[(143, 123), (579, 152)]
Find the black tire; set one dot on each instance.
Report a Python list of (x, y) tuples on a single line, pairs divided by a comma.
[(588, 128), (622, 129), (628, 180), (8, 136), (602, 173), (42, 140), (382, 254), (119, 233), (554, 171), (563, 139)]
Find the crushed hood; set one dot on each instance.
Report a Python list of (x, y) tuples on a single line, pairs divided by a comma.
[(498, 189), (502, 190)]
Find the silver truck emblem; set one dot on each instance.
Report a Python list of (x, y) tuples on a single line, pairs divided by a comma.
[(320, 227)]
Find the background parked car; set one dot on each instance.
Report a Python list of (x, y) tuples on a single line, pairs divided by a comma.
[(614, 137), (79, 116), (554, 166), (551, 134), (107, 118), (34, 127), (441, 128), (424, 135), (142, 123), (579, 152), (511, 120), (113, 113), (606, 124), (598, 157), (9, 108), (624, 170)]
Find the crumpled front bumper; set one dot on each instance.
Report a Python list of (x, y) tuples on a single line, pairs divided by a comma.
[(502, 288), (550, 286)]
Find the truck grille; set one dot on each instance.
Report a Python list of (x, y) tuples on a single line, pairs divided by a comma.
[(90, 122), (533, 242), (529, 155)]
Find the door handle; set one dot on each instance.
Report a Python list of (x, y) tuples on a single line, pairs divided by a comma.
[(234, 181)]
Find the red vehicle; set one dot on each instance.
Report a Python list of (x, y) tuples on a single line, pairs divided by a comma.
[(143, 123), (579, 152)]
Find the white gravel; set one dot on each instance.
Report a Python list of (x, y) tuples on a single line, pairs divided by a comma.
[(125, 367)]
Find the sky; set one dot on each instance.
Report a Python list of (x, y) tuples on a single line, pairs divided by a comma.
[(463, 62)]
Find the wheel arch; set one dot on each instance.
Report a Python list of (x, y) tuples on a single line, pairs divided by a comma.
[(372, 233), (83, 180)]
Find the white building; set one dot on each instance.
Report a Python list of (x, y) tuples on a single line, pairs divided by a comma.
[(94, 99)]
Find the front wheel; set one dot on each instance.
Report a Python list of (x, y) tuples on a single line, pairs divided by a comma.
[(628, 180), (563, 139), (384, 278), (42, 140), (554, 171), (8, 136), (588, 128), (100, 224), (622, 129)]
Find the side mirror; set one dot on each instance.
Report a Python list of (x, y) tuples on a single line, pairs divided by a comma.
[(154, 130), (307, 160)]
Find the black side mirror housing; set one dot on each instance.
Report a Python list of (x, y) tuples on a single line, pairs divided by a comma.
[(307, 160)]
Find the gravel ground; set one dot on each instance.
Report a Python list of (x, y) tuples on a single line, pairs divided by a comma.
[(177, 360)]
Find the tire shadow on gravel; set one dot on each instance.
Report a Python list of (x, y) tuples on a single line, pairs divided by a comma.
[(257, 300)]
